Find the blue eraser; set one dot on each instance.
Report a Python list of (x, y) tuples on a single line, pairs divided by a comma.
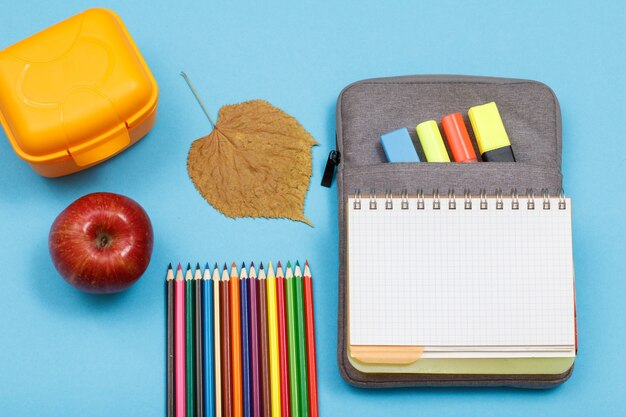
[(398, 146)]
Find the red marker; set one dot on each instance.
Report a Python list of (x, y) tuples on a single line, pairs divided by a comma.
[(458, 138)]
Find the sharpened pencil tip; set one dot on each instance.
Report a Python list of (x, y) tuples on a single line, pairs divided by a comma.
[(306, 263), (261, 266), (278, 265), (225, 267), (288, 264), (188, 265), (169, 266), (206, 266), (243, 265), (252, 264), (198, 265), (234, 265), (297, 263), (216, 267)]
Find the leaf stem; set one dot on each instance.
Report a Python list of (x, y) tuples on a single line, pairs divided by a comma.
[(193, 90)]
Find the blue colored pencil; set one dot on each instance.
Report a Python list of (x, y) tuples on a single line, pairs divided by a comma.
[(207, 335), (245, 343)]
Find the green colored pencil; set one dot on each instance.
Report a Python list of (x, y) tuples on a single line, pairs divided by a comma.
[(189, 330), (292, 348), (303, 380)]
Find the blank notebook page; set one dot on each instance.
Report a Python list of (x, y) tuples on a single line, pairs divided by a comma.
[(460, 277)]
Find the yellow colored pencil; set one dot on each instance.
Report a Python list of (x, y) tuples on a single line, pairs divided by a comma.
[(272, 323)]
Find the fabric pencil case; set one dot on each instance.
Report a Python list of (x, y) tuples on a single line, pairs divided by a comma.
[(369, 108)]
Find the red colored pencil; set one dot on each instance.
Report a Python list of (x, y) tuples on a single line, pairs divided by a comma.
[(282, 342), (309, 318), (225, 354)]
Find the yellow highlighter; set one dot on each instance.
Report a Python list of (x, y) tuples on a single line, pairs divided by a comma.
[(493, 141), (432, 142)]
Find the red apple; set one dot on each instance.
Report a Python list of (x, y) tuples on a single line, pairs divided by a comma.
[(101, 243)]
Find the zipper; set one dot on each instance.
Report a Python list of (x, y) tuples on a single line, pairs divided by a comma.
[(334, 158)]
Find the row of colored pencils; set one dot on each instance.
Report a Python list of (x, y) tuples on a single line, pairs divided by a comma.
[(241, 344)]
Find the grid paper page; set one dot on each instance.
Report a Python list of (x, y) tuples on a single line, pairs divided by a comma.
[(460, 277)]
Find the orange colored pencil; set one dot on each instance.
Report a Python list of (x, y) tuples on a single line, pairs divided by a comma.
[(309, 318), (235, 334)]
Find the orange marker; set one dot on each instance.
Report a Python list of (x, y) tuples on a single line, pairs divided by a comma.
[(458, 138), (235, 333)]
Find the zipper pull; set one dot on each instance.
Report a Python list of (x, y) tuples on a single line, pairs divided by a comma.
[(334, 158)]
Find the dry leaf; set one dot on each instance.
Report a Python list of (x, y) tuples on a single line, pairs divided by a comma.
[(255, 163)]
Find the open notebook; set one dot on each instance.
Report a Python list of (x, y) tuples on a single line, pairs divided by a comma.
[(465, 277)]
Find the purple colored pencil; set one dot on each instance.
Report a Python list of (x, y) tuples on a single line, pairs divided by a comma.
[(245, 343), (255, 370)]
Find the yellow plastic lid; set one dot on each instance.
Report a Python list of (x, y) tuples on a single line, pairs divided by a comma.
[(74, 90)]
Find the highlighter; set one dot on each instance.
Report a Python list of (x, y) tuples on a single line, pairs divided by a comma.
[(432, 142), (458, 138), (493, 141)]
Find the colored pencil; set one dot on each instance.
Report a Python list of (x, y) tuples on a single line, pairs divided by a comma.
[(208, 383), (272, 336), (225, 327), (292, 348), (235, 335), (190, 329), (255, 368), (309, 317), (179, 348), (245, 343), (282, 341), (199, 348), (169, 296), (263, 347), (303, 382), (217, 341)]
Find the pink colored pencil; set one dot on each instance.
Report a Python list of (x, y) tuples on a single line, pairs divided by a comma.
[(282, 341), (179, 340)]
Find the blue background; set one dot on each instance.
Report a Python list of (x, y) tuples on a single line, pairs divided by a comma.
[(64, 353)]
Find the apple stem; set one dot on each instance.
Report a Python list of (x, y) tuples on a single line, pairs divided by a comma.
[(103, 240)]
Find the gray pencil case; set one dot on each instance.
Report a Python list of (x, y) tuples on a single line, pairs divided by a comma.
[(369, 108)]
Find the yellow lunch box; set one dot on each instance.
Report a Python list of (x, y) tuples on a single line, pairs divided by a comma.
[(76, 93)]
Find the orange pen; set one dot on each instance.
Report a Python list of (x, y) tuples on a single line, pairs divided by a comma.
[(235, 333), (458, 138)]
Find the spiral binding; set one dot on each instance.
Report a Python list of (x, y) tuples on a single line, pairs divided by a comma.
[(405, 200), (451, 199), (388, 201), (484, 201)]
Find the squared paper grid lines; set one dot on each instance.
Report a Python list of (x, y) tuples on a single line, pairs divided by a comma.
[(460, 277)]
